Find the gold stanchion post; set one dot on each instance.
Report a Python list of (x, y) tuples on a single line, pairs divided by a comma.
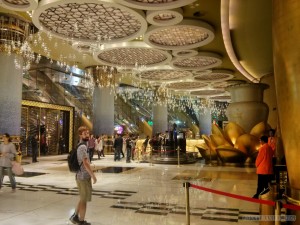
[(278, 213), (187, 185)]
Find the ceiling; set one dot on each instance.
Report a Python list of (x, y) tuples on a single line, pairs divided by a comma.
[(199, 46)]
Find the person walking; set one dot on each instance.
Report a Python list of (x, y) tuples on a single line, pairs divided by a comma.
[(34, 147), (7, 155), (118, 145), (84, 178), (101, 145), (264, 166), (91, 146)]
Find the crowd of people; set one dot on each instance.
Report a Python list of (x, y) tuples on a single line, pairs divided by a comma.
[(89, 145)]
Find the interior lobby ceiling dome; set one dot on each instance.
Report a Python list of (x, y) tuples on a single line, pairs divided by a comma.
[(187, 34), (187, 85), (177, 40), (202, 61), (164, 75), (132, 54), (89, 20), (155, 4), (164, 17), (215, 76), (19, 5)]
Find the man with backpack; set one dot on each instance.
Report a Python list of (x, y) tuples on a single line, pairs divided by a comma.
[(83, 178)]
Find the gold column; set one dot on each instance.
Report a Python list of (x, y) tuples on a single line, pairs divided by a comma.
[(286, 55)]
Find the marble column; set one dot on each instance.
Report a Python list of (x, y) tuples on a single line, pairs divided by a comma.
[(205, 121), (286, 54), (10, 95), (103, 111), (247, 107), (160, 119)]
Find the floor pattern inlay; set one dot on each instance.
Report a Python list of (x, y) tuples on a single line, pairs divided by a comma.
[(207, 213)]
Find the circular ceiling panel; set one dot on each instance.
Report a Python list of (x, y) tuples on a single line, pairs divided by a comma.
[(209, 92), (184, 53), (155, 4), (89, 20), (202, 61), (187, 34), (132, 55), (164, 17), (19, 5), (164, 75), (215, 76), (187, 85)]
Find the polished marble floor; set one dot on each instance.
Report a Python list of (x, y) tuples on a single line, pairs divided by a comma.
[(129, 193)]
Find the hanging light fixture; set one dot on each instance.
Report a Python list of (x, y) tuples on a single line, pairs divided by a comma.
[(15, 33)]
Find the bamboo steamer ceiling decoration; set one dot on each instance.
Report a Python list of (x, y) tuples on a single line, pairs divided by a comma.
[(132, 54), (164, 75), (89, 20), (19, 5), (215, 76), (187, 34), (187, 85), (202, 61), (155, 4)]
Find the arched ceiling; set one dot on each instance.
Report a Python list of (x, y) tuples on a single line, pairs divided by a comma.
[(185, 37)]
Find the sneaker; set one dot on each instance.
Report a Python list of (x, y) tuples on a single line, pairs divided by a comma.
[(13, 190), (75, 219), (84, 223)]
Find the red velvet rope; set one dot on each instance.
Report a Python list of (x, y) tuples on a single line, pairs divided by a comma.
[(245, 198)]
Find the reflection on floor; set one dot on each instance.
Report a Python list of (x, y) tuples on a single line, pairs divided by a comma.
[(115, 169), (116, 194), (209, 213), (28, 174), (134, 194), (210, 175)]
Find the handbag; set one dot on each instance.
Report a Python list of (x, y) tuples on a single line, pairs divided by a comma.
[(16, 168)]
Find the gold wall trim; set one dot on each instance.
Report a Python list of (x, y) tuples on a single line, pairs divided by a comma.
[(69, 109)]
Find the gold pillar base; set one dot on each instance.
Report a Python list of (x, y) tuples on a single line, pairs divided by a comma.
[(293, 198)]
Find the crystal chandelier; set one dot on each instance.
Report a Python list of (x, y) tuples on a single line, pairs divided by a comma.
[(104, 76), (14, 34)]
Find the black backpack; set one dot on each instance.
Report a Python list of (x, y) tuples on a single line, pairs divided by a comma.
[(73, 161)]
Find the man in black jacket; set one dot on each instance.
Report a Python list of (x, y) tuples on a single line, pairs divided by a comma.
[(118, 145), (34, 147)]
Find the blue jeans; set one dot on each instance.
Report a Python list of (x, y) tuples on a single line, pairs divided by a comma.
[(10, 175)]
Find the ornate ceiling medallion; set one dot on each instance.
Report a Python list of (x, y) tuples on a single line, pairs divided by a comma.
[(187, 34), (155, 4), (201, 72), (90, 20), (19, 5), (184, 53), (207, 93), (165, 17), (215, 76), (202, 61), (132, 55), (187, 85), (164, 74)]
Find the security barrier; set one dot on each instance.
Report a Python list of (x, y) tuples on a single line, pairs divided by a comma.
[(276, 204)]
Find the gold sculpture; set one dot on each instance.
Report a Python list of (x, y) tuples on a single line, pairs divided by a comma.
[(233, 145)]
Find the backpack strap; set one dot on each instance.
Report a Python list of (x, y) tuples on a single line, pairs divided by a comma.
[(76, 152)]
